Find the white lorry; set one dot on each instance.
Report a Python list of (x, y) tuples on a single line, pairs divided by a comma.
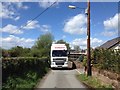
[(59, 57)]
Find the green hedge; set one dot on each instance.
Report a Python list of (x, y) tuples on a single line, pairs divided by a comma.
[(107, 59), (18, 71)]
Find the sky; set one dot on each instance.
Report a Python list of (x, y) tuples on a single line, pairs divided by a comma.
[(18, 29)]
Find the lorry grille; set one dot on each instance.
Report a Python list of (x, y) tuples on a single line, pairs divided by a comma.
[(59, 63), (59, 59)]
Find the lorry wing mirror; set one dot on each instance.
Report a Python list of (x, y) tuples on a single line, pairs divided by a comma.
[(68, 52)]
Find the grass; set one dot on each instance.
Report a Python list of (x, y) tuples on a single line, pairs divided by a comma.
[(93, 82)]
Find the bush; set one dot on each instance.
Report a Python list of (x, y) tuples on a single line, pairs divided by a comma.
[(85, 61), (18, 71), (81, 58), (107, 59)]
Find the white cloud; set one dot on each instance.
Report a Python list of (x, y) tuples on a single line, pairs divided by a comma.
[(46, 3), (10, 10), (109, 33), (7, 11), (76, 25), (12, 41), (82, 42), (95, 42), (31, 25), (17, 18), (45, 28), (35, 24), (111, 23), (11, 29), (20, 5)]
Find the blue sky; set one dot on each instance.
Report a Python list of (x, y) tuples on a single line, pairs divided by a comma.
[(62, 22)]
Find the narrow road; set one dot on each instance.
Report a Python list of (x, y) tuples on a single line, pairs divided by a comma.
[(61, 79)]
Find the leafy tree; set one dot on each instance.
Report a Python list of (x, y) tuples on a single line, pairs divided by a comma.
[(19, 51), (63, 42), (36, 52), (4, 53), (76, 48), (26, 52), (16, 51), (43, 45)]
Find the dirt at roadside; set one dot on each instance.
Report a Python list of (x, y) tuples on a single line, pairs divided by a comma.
[(104, 76), (107, 77)]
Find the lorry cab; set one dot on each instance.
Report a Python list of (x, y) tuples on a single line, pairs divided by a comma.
[(59, 57)]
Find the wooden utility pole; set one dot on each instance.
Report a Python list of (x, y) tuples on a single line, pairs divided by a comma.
[(89, 71)]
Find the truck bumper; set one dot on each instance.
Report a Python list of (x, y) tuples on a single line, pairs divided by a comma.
[(59, 66)]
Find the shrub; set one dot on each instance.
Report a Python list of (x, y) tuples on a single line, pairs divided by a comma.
[(85, 61), (29, 68), (81, 58), (107, 59)]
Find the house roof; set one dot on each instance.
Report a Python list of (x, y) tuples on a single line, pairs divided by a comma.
[(111, 43)]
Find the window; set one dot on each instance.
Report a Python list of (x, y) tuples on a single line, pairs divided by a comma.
[(59, 53)]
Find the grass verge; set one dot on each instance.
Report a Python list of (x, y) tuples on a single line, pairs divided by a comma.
[(93, 82)]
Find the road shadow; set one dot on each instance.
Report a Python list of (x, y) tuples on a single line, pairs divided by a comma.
[(73, 65), (60, 69)]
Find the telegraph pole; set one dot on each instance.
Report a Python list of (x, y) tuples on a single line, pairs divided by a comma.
[(89, 72)]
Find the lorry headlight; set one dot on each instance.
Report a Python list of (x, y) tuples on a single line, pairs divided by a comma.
[(66, 62)]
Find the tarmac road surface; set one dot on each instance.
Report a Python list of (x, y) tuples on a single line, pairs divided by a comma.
[(61, 79)]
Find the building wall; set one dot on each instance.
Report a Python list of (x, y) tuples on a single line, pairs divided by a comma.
[(116, 47)]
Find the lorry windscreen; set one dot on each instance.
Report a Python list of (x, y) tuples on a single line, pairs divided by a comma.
[(59, 53)]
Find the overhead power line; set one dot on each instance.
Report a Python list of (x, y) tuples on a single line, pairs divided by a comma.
[(39, 15)]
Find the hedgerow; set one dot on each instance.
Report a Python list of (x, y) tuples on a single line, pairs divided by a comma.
[(107, 59), (22, 72)]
